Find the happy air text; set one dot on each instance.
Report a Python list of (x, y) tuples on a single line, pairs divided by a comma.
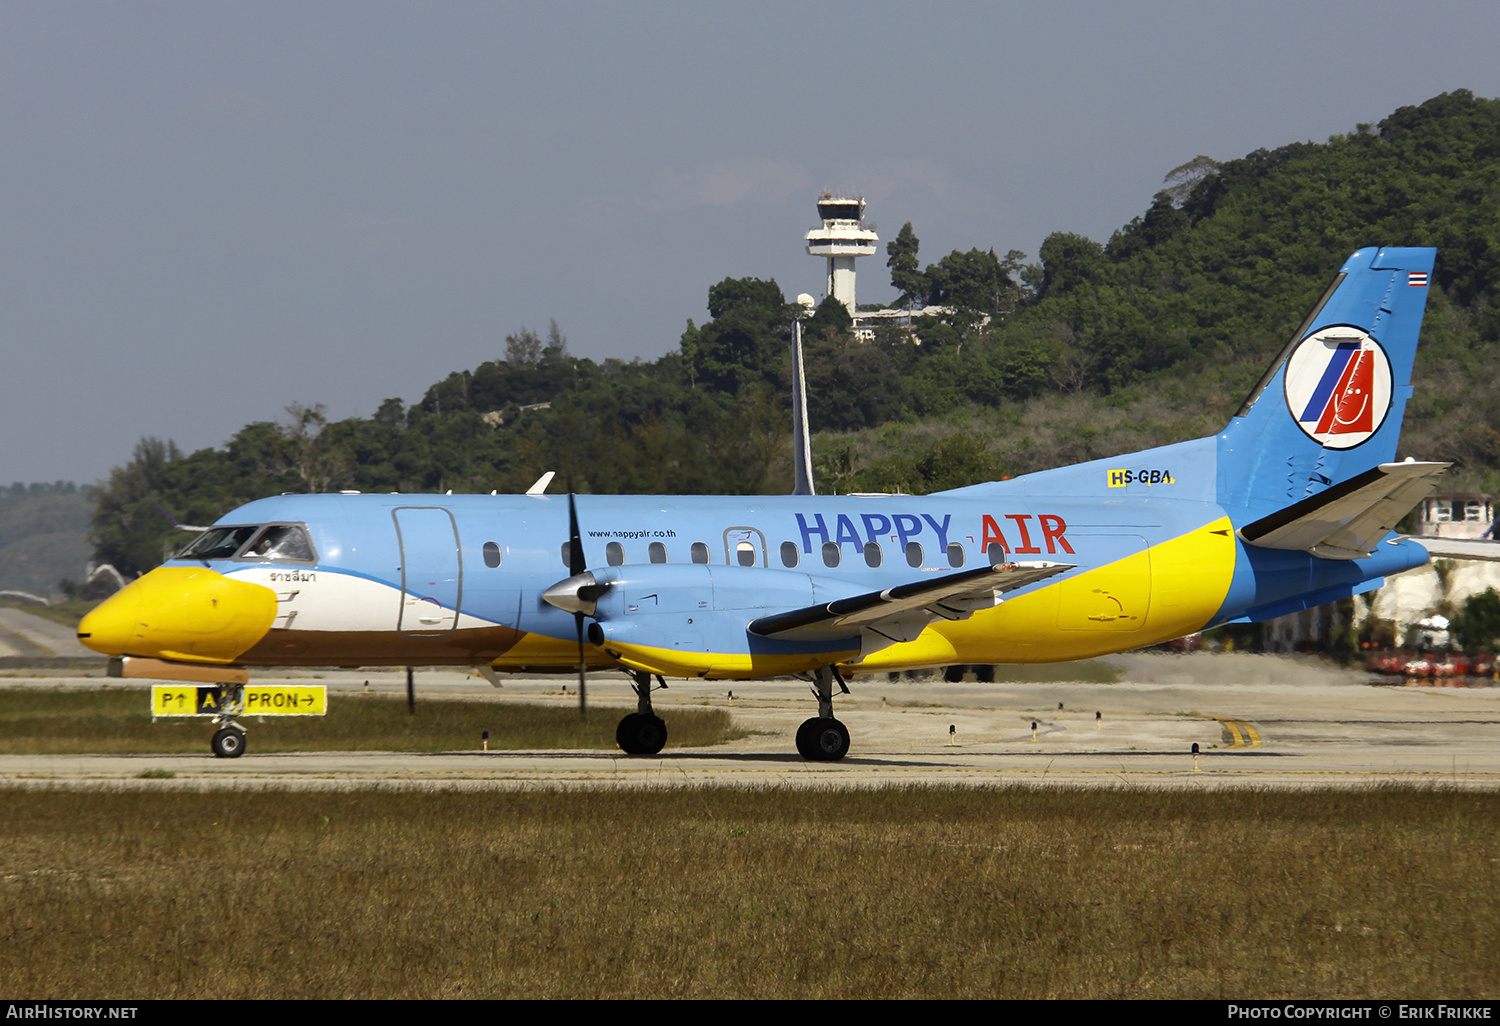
[(1031, 534)]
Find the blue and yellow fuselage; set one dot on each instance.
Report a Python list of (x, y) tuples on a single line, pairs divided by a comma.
[(457, 579)]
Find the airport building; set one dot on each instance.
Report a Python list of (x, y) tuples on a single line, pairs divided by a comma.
[(1457, 516)]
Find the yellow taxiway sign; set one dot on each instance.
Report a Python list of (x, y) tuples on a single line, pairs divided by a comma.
[(257, 700)]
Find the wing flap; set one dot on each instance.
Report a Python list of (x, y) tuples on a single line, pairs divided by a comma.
[(1348, 520), (902, 612)]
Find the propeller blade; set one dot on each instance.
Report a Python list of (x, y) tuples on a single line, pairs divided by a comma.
[(577, 565), (583, 683)]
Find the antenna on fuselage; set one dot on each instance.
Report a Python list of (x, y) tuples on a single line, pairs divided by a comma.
[(181, 527), (801, 437)]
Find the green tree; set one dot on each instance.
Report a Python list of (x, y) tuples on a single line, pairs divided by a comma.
[(318, 463), (733, 294), (523, 349), (972, 281), (830, 320), (1068, 261), (745, 342), (850, 384), (1477, 624), (1182, 179), (1162, 221), (1014, 270), (902, 260), (392, 413), (557, 343), (129, 530), (957, 461)]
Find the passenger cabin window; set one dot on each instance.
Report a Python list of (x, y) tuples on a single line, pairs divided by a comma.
[(913, 553), (790, 554), (955, 555), (567, 554), (614, 553), (872, 554), (491, 554), (658, 552), (830, 554), (700, 552), (996, 552), (744, 554)]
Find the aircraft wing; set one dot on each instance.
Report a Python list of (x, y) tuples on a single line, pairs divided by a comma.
[(902, 612), (1348, 520)]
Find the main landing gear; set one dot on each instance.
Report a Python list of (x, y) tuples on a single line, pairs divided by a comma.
[(820, 739), (642, 732), (823, 738)]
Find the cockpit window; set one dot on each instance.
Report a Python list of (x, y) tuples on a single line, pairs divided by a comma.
[(278, 543), (217, 543), (268, 543)]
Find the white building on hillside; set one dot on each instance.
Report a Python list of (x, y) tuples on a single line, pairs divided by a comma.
[(1457, 516)]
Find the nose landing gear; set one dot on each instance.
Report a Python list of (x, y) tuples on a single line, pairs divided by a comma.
[(229, 742)]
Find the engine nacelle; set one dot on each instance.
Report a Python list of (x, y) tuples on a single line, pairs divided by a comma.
[(690, 620)]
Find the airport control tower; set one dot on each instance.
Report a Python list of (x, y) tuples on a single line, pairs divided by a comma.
[(843, 237)]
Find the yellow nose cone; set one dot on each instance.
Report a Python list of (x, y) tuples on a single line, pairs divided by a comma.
[(177, 612)]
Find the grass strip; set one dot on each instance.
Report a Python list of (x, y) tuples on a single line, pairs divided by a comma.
[(733, 893)]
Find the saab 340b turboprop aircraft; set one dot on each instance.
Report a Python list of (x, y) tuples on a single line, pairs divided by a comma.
[(1292, 505)]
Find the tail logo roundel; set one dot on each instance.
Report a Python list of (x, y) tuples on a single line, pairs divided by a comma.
[(1338, 386)]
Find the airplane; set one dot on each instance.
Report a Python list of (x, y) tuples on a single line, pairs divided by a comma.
[(1292, 505)]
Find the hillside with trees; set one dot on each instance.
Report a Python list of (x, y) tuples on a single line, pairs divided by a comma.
[(1095, 348), (43, 536)]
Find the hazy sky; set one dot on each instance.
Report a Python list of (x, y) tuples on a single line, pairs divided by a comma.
[(211, 210)]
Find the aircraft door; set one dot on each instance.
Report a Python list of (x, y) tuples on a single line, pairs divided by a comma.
[(744, 546), (431, 570)]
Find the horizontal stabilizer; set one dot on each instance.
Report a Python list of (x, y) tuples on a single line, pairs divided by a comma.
[(902, 612), (1461, 548), (1348, 520)]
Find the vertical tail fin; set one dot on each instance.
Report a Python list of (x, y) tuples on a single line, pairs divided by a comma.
[(801, 437), (1330, 406)]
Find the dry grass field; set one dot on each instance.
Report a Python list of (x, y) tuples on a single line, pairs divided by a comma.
[(117, 720), (901, 892)]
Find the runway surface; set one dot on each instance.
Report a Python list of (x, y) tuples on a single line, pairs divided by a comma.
[(1259, 721), (25, 636)]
